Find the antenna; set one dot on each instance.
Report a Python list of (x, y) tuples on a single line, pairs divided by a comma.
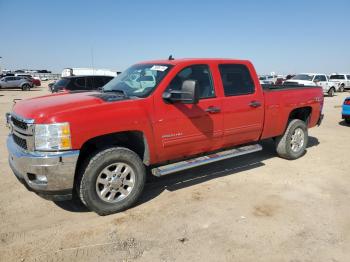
[(171, 58), (92, 60)]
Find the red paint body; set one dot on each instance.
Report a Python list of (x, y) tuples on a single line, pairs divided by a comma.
[(192, 129)]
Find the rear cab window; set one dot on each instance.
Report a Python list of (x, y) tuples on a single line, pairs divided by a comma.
[(236, 79), (337, 77)]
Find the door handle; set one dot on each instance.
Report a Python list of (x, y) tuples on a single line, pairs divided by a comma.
[(255, 104), (213, 109)]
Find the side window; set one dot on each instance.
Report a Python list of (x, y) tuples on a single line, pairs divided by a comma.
[(200, 73), (89, 83), (97, 82), (320, 78), (77, 84), (348, 77), (236, 79)]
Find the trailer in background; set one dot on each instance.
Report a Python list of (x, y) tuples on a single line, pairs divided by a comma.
[(88, 71)]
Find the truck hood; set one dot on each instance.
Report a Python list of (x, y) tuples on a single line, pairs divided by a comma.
[(41, 108)]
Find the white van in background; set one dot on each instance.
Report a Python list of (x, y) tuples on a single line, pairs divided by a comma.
[(88, 71)]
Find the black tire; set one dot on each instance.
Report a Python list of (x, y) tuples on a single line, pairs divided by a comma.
[(284, 143), (87, 187), (25, 87), (331, 92), (342, 88), (347, 120)]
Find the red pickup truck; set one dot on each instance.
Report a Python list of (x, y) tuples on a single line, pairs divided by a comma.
[(164, 116)]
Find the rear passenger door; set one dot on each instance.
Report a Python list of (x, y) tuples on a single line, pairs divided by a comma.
[(243, 105), (11, 82)]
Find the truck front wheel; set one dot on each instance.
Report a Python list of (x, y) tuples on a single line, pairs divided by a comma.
[(292, 144), (112, 181)]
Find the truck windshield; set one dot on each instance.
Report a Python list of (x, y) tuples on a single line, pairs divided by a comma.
[(303, 77), (139, 80), (337, 77)]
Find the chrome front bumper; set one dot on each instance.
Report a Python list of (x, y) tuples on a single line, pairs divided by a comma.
[(50, 175)]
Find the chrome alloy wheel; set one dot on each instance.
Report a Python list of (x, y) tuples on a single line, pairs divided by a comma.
[(298, 140), (115, 182)]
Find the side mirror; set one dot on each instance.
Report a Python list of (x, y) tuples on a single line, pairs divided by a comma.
[(189, 93)]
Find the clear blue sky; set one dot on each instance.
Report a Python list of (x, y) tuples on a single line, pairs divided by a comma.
[(280, 36)]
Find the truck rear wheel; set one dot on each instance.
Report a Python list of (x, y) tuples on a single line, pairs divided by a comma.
[(112, 181), (292, 144)]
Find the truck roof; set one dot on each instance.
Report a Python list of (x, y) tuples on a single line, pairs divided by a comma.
[(193, 60)]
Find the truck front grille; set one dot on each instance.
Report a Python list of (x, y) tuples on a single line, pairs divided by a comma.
[(20, 141), (22, 131), (19, 124)]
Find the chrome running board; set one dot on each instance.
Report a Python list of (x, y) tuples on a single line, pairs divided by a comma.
[(203, 160)]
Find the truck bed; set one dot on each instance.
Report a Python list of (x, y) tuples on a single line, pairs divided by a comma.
[(280, 101)]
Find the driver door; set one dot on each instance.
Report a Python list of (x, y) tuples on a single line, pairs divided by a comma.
[(183, 130)]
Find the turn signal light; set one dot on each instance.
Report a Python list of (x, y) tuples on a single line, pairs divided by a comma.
[(347, 102)]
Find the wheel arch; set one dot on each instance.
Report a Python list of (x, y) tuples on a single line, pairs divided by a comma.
[(133, 140), (301, 113)]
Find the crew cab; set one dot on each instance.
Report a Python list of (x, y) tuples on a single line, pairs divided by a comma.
[(163, 116), (341, 81), (315, 79)]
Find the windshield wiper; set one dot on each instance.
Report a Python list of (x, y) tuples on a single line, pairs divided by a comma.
[(116, 91)]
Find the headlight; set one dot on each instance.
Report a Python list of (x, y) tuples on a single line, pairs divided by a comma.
[(52, 137)]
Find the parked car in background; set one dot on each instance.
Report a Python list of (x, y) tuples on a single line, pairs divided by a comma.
[(35, 82), (346, 110), (341, 81), (313, 79), (80, 83), (164, 116), (266, 80), (15, 82)]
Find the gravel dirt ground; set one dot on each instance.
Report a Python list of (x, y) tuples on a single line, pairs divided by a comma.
[(251, 208)]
